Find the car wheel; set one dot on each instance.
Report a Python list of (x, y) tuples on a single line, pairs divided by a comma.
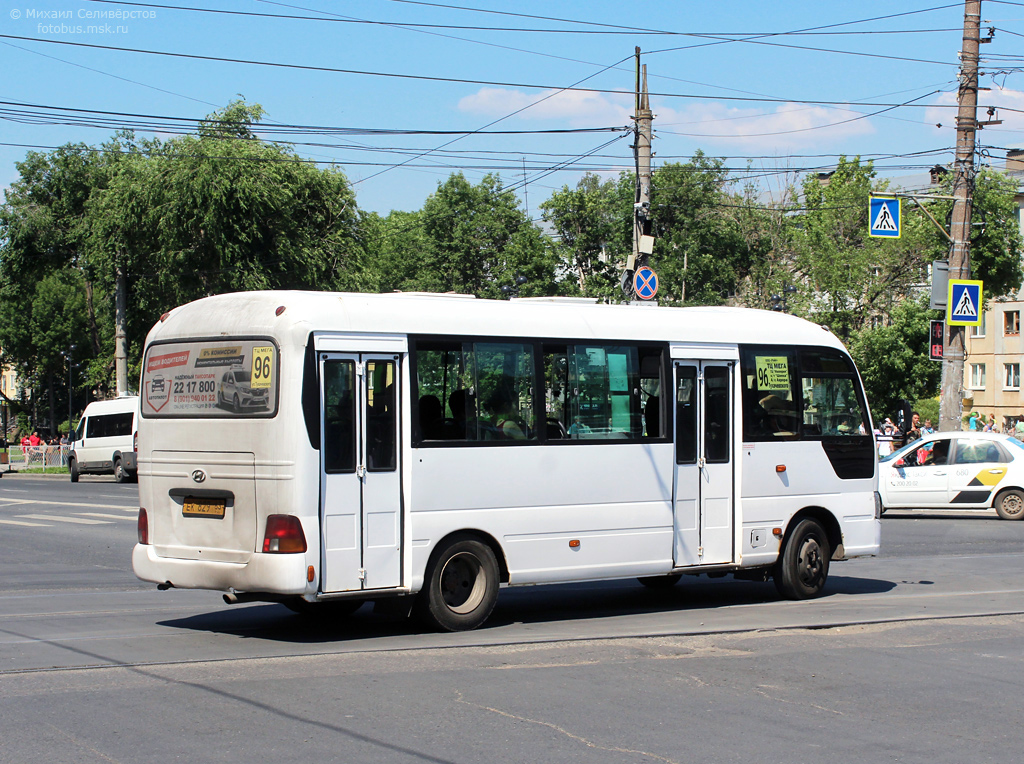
[(120, 475), (1010, 505), (461, 587), (802, 568), (73, 467), (660, 582), (236, 405)]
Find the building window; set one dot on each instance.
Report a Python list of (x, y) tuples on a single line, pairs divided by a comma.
[(977, 376), (979, 330), (1011, 323), (1011, 377)]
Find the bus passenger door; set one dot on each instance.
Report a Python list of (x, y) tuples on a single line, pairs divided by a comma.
[(704, 501), (361, 490)]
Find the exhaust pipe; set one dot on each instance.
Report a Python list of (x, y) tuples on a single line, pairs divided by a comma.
[(236, 598)]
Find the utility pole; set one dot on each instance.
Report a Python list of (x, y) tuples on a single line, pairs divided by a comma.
[(644, 118), (953, 352), (120, 331)]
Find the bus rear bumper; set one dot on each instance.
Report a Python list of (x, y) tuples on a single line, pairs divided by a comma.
[(271, 573)]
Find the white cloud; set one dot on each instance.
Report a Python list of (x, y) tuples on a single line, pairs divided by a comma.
[(580, 108), (789, 125)]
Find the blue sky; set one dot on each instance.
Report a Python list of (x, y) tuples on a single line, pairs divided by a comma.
[(696, 82)]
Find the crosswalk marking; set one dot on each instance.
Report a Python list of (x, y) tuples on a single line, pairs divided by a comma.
[(58, 519), (30, 525)]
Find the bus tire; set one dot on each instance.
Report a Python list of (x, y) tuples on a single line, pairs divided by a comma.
[(461, 587), (120, 473), (802, 568), (1010, 505), (660, 582), (73, 468)]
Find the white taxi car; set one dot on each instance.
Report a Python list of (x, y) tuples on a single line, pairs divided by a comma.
[(956, 470)]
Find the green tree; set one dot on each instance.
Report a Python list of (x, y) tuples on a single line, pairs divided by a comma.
[(478, 240), (700, 253), (396, 252), (893, 359), (200, 214), (221, 211), (594, 228)]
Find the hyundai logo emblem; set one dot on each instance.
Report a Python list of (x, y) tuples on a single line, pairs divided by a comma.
[(198, 475)]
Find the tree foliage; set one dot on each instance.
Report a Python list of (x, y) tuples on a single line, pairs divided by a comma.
[(893, 359), (593, 223), (477, 241), (221, 210)]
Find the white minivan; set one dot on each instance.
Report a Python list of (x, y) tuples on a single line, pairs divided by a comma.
[(106, 440)]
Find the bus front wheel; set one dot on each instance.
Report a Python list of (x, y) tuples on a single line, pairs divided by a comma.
[(802, 569), (73, 467), (461, 588)]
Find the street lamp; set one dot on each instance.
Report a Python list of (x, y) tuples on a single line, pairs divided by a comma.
[(513, 291), (780, 303)]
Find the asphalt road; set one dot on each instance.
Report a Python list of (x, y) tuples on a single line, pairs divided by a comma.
[(912, 656)]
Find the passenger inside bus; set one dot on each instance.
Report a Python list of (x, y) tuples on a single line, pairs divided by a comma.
[(507, 425), (431, 418)]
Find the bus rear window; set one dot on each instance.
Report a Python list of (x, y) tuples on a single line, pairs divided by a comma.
[(233, 377)]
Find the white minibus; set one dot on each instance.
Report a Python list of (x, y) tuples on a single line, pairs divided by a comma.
[(105, 441), (423, 451)]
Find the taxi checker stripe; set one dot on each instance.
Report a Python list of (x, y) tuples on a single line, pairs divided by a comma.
[(989, 477)]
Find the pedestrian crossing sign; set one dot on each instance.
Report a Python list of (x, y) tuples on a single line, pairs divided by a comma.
[(884, 217), (963, 307)]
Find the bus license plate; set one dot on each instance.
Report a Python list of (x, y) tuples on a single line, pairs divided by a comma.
[(194, 507)]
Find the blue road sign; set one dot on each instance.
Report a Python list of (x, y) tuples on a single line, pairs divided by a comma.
[(964, 305), (884, 217), (645, 283)]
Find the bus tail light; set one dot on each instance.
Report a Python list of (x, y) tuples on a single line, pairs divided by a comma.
[(284, 535), (135, 442), (143, 526)]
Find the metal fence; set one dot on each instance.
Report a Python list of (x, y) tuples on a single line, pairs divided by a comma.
[(38, 457)]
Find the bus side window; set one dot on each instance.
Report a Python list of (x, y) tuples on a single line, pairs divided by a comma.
[(381, 422), (686, 415), (339, 417)]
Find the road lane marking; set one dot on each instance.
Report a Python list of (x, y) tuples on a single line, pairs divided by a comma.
[(100, 514), (69, 504), (57, 518), (30, 525)]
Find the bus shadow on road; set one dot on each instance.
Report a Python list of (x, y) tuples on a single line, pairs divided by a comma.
[(532, 605)]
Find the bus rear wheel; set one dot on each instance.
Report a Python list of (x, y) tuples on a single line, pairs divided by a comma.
[(120, 474), (802, 569), (461, 588)]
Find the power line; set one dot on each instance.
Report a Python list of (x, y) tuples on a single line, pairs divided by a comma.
[(336, 18), (644, 29), (459, 80)]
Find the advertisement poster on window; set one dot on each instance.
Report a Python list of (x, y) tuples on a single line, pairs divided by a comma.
[(210, 378)]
